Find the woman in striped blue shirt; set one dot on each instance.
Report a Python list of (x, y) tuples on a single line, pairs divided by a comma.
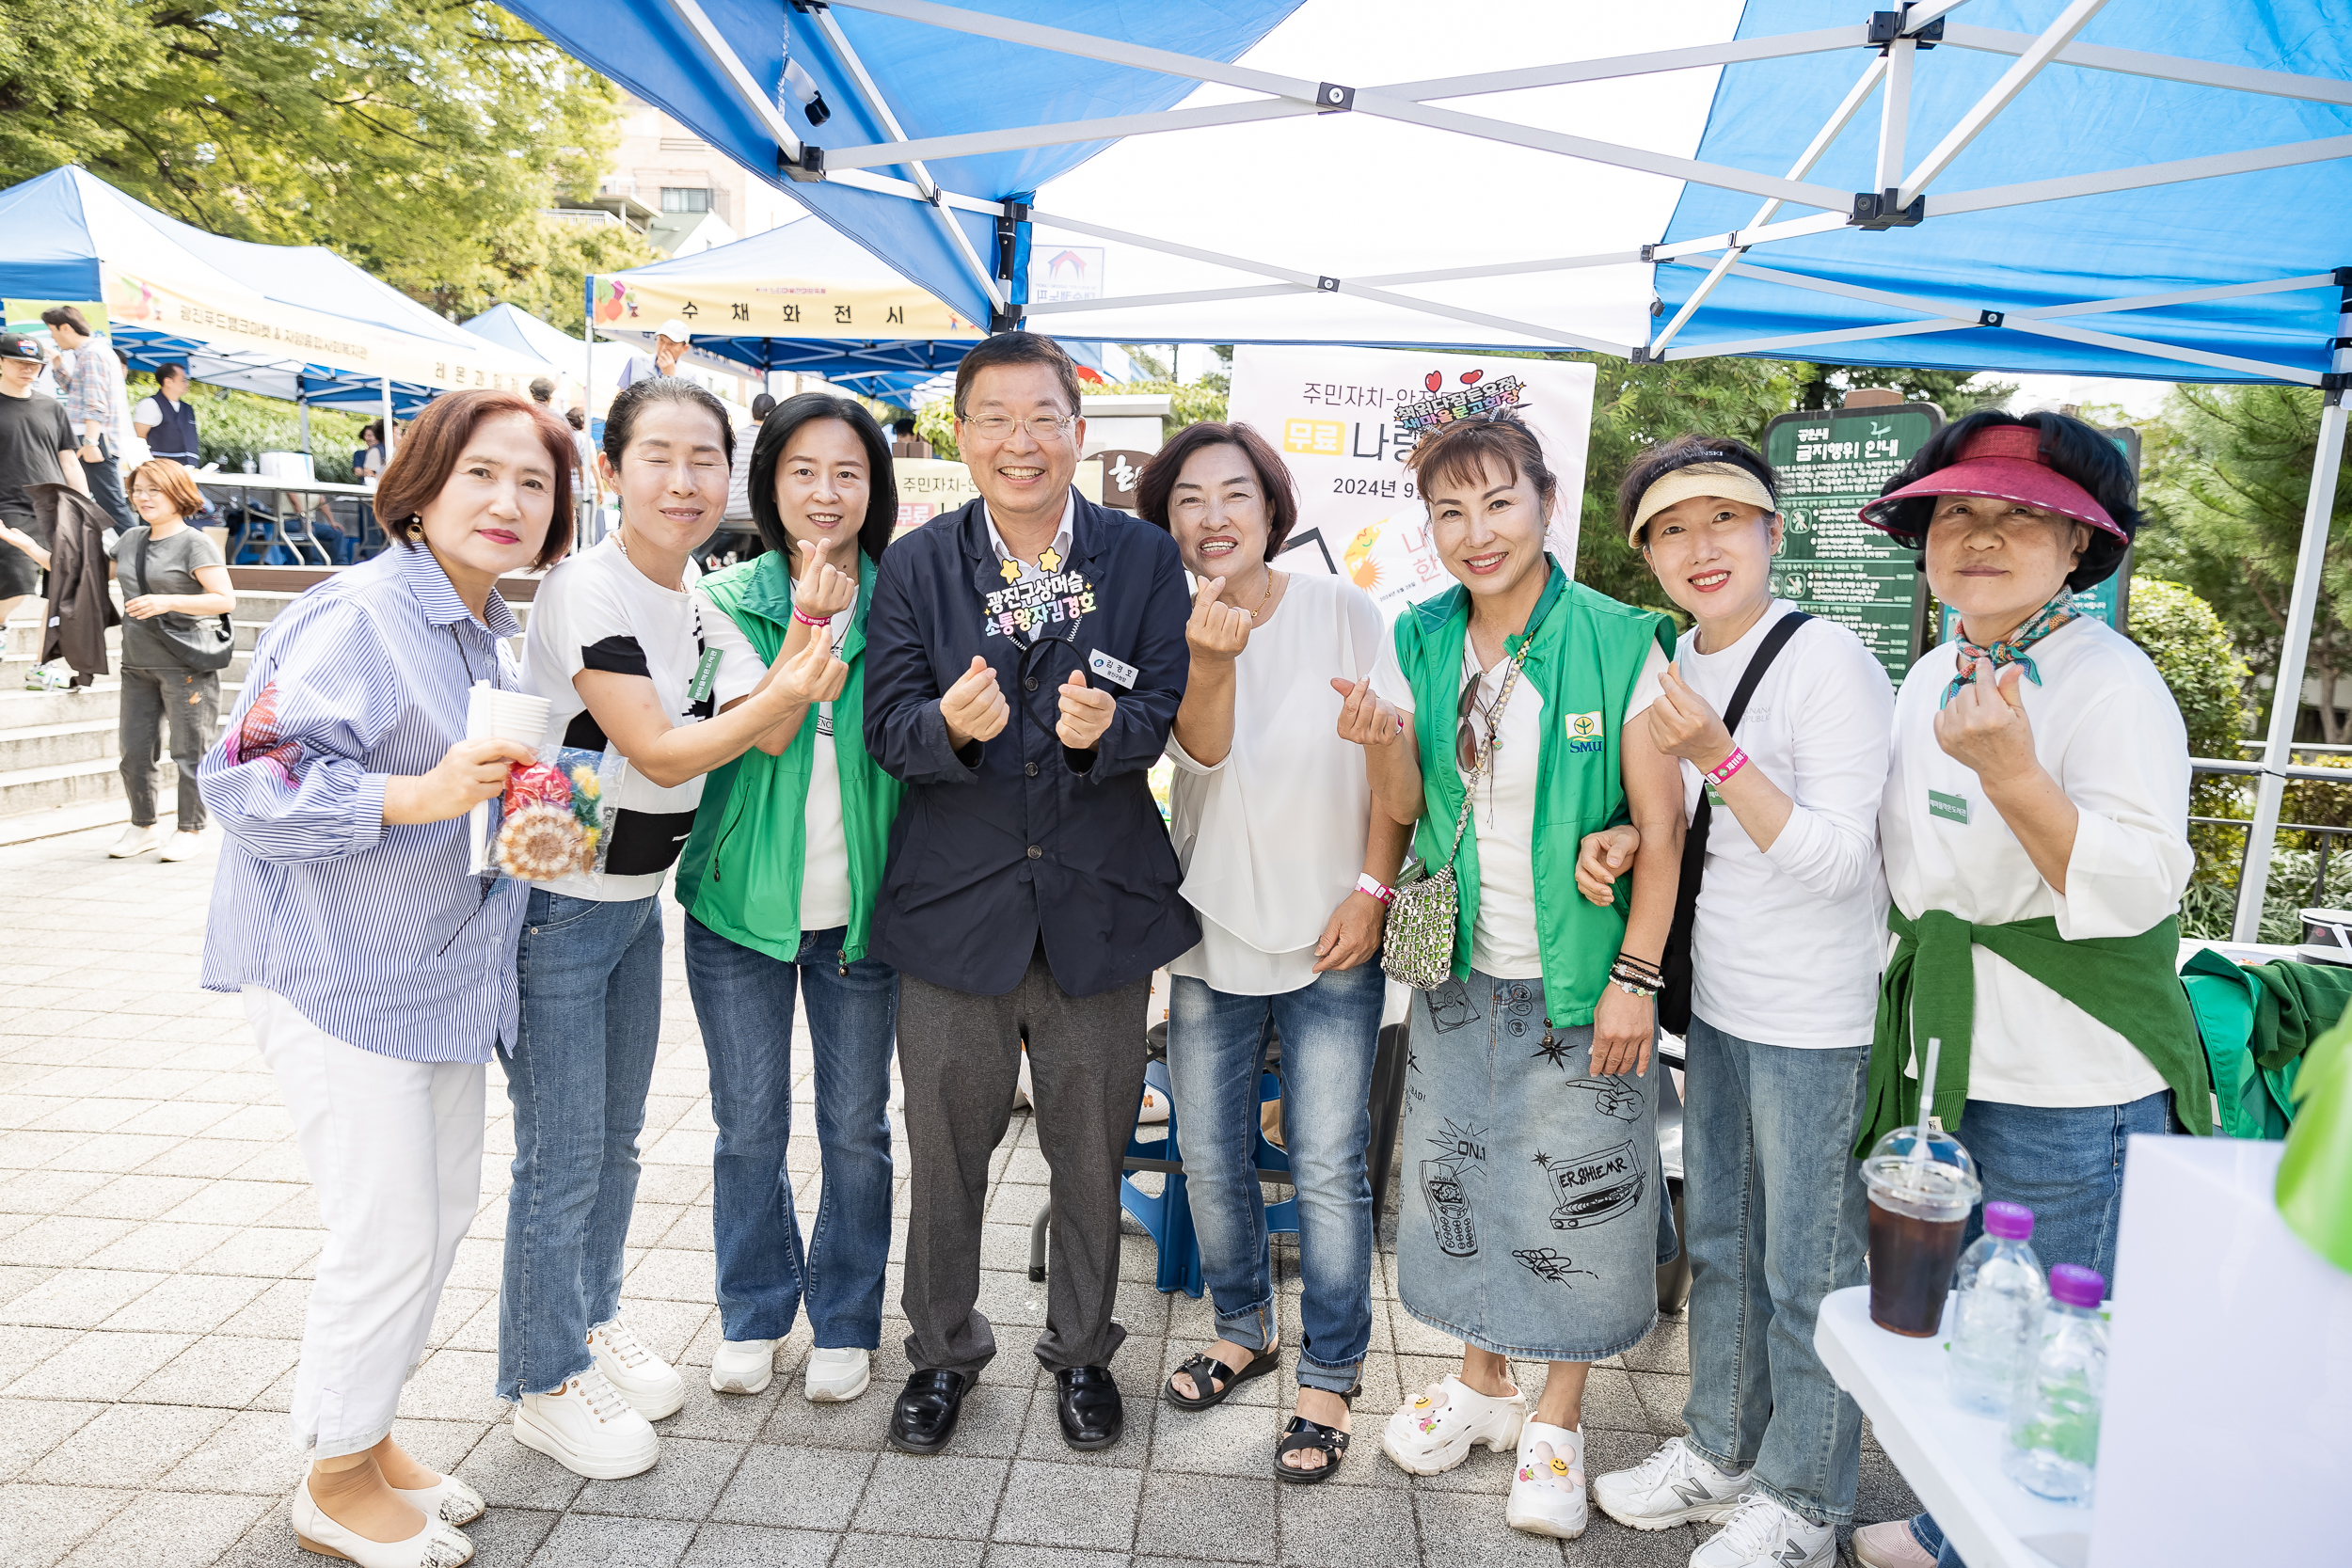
[(377, 971)]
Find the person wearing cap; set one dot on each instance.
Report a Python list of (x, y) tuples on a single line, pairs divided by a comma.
[(1778, 1052), (2035, 829), (669, 344), (1504, 718), (36, 448)]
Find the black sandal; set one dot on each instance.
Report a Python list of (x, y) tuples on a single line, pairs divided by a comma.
[(1207, 1372), (1303, 1434)]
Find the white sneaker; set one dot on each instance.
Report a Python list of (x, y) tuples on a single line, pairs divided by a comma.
[(1891, 1545), (588, 1429), (651, 1385), (437, 1545), (1764, 1534), (136, 840), (183, 845), (1673, 1487), (837, 1376), (1437, 1430), (742, 1366), (1548, 1488)]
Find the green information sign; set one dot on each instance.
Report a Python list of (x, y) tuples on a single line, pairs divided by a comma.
[(1832, 563)]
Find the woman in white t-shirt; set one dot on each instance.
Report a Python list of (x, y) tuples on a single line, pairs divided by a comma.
[(622, 653), (1271, 817), (2036, 829), (1503, 717), (1778, 1054), (779, 882)]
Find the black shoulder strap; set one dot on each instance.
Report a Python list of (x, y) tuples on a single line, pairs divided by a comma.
[(139, 561), (1674, 997), (1753, 675)]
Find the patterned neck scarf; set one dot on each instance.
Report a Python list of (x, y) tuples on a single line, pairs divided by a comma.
[(2011, 649)]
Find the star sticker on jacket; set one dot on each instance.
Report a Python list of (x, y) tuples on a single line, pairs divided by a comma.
[(1049, 559), (1010, 571)]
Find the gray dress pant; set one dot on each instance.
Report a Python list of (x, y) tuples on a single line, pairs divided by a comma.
[(961, 1057)]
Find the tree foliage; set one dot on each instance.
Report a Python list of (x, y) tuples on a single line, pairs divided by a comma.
[(2227, 472), (420, 139)]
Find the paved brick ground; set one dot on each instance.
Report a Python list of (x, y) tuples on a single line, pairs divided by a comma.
[(157, 1235)]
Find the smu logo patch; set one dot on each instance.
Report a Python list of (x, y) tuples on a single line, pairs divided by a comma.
[(1585, 732)]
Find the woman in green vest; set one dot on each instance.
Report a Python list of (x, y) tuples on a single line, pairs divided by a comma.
[(1530, 1223), (778, 880), (2036, 833)]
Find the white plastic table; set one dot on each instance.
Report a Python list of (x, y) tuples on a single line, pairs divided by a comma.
[(1950, 1457)]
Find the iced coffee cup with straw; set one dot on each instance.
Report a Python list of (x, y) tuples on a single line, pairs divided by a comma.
[(1922, 1184)]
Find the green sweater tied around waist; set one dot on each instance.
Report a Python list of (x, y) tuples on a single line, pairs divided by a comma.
[(1929, 991)]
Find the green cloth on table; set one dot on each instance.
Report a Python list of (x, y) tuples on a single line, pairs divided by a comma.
[(1929, 991), (2299, 1003)]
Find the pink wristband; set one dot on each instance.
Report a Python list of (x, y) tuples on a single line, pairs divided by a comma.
[(1726, 768), (810, 620), (1368, 883)]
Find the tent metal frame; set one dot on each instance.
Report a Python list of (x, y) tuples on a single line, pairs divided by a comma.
[(1899, 199)]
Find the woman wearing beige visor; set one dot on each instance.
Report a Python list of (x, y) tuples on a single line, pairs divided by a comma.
[(1782, 724)]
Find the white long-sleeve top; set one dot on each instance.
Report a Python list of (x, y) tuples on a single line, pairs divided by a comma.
[(2109, 733), (1786, 945)]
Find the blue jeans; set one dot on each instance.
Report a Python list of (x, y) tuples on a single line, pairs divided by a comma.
[(1774, 1210), (2066, 1164), (590, 973), (1215, 1047), (745, 1001)]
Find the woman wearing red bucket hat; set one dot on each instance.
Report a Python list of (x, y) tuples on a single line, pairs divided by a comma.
[(2035, 831)]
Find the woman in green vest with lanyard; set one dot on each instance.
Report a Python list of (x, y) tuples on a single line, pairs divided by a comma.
[(778, 881), (2036, 833), (1530, 1223)]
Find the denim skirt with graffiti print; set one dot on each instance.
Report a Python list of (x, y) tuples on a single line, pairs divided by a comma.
[(1528, 1223)]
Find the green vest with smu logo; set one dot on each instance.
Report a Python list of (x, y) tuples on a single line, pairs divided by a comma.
[(740, 871), (1587, 654)]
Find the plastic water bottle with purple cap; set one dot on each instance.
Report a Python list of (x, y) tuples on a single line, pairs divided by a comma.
[(1996, 1316), (2053, 1447)]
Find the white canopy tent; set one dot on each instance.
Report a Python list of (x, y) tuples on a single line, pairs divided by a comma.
[(2124, 188)]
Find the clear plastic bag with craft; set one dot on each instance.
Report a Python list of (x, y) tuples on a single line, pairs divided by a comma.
[(556, 817)]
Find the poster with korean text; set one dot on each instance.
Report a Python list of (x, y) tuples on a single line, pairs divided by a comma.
[(1345, 419)]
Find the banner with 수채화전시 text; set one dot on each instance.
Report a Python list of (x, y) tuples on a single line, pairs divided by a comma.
[(1344, 420)]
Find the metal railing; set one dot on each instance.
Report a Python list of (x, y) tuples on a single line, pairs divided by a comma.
[(2325, 832)]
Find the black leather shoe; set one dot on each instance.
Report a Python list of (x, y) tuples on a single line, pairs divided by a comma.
[(925, 1416), (1092, 1416)]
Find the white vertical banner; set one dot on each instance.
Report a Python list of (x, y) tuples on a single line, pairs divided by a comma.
[(1345, 420)]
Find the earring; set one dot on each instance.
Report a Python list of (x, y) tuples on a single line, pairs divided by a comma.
[(414, 528)]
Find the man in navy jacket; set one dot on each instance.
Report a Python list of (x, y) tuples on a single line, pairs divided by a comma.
[(1025, 657)]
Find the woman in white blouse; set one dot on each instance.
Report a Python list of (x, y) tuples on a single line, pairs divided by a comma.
[(2035, 826), (1272, 822)]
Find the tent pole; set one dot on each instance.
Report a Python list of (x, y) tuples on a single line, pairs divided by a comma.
[(388, 416), (2286, 697)]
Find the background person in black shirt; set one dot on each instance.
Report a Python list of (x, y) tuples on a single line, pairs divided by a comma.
[(37, 446)]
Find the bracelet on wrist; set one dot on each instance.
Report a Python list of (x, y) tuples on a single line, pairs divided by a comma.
[(1726, 768), (1640, 966), (810, 620), (1367, 883)]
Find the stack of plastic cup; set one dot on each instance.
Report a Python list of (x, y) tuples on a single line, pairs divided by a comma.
[(495, 715)]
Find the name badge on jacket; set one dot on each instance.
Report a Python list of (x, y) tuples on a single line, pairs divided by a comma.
[(1952, 808), (1111, 669)]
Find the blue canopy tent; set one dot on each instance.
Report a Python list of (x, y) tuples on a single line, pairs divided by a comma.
[(291, 322), (2143, 187)]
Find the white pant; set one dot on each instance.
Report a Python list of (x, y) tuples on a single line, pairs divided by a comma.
[(395, 1148)]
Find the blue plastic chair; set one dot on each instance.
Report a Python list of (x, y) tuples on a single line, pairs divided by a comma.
[(1167, 1215)]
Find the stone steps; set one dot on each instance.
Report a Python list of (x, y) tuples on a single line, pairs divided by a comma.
[(59, 751)]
